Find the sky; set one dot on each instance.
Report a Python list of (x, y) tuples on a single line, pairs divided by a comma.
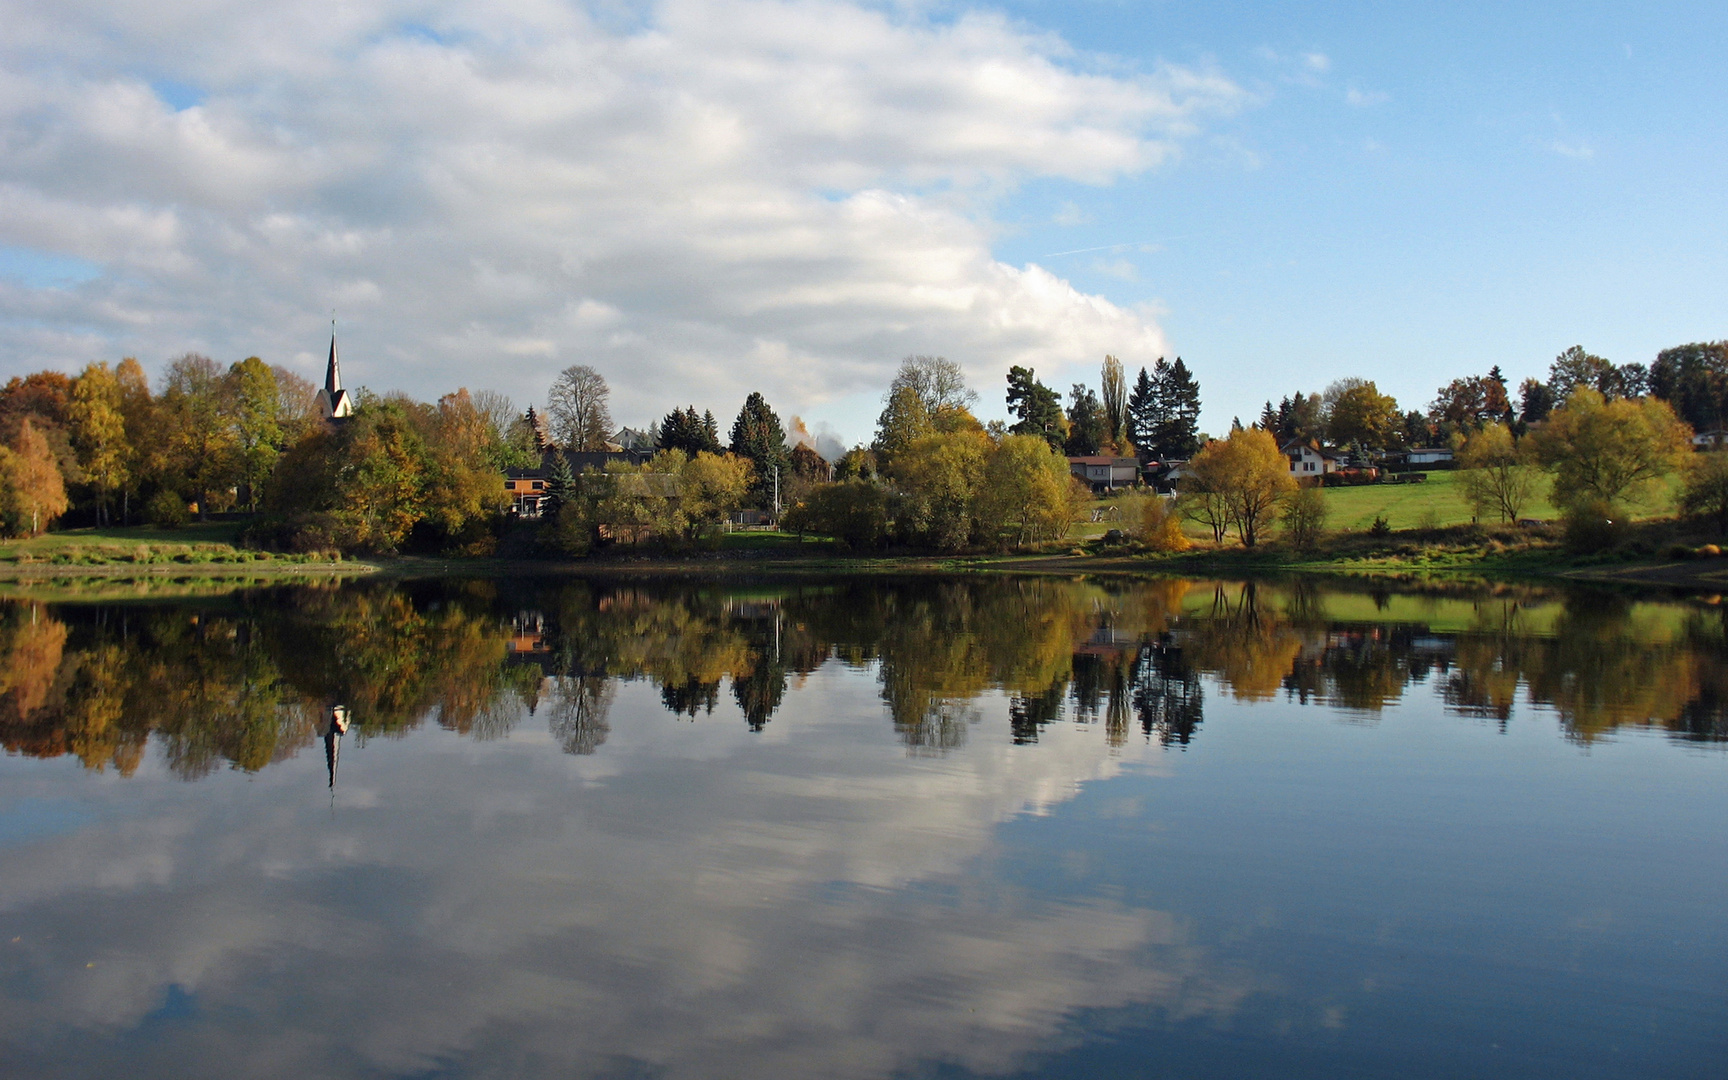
[(704, 199)]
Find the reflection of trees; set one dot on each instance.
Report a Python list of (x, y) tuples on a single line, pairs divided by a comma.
[(577, 712), (1241, 641), (243, 681)]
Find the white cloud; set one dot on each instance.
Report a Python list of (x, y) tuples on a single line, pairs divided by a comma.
[(1317, 61), (1363, 98), (728, 196)]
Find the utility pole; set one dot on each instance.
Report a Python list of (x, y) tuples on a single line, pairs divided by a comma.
[(776, 494)]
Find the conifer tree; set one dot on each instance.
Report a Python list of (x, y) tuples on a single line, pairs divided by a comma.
[(757, 435), (1178, 435), (1037, 408)]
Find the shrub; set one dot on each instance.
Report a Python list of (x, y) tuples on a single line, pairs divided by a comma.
[(1160, 526), (1594, 526), (167, 510), (1381, 527)]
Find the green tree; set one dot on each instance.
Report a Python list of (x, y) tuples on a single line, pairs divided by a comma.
[(1145, 412), (1610, 452), (941, 388), (1706, 492), (1037, 408), (256, 407), (1086, 431), (1304, 517), (758, 437), (904, 420), (1114, 395), (1178, 436), (1025, 490)]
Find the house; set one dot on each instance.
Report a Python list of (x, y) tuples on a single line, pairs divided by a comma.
[(334, 402), (1710, 440), (1310, 461), (1430, 455), (628, 438), (1104, 473), (1163, 476), (527, 488)]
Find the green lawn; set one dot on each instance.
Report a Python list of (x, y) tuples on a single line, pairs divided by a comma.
[(212, 542), (214, 532), (1404, 506)]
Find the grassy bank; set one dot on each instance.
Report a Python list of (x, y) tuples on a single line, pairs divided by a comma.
[(212, 547)]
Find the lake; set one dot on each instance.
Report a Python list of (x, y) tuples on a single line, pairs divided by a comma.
[(875, 827)]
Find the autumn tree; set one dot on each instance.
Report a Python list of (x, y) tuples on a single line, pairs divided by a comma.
[(201, 448), (578, 409), (1705, 494), (940, 476), (1250, 476), (32, 493), (1025, 490), (1610, 453), (1357, 413), (98, 427), (1497, 477)]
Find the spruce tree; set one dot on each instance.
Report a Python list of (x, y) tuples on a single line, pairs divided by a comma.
[(560, 483), (1178, 435), (757, 435), (1086, 424), (1143, 412)]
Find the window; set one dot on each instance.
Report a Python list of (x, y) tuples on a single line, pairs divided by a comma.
[(538, 485)]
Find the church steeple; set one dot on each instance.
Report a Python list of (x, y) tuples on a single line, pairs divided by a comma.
[(333, 401)]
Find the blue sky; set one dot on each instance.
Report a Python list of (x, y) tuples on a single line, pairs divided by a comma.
[(1419, 192), (707, 197)]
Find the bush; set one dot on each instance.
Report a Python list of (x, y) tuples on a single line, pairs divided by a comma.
[(1160, 526), (167, 510), (1381, 527), (1594, 526), (1681, 551)]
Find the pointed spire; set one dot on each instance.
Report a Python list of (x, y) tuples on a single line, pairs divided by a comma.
[(333, 373)]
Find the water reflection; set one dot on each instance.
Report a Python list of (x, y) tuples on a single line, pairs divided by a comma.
[(247, 681), (842, 829)]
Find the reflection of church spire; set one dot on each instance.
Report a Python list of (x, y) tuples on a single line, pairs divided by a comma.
[(333, 732)]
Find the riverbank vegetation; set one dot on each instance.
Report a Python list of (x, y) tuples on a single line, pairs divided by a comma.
[(1592, 448)]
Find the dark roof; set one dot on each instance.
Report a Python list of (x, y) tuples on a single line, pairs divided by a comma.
[(1100, 459)]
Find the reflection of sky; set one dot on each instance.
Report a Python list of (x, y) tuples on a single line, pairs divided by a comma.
[(812, 901)]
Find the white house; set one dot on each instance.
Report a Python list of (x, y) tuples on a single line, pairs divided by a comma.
[(1105, 473), (1308, 460), (1430, 455)]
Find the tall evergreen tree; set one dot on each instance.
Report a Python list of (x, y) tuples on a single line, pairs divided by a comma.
[(1086, 423), (758, 435), (1143, 412), (560, 482), (1178, 436), (1036, 407)]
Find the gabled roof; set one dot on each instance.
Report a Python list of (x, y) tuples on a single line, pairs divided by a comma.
[(1297, 445)]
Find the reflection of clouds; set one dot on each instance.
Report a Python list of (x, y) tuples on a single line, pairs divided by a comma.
[(693, 897)]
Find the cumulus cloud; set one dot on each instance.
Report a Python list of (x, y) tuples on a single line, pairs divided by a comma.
[(713, 197)]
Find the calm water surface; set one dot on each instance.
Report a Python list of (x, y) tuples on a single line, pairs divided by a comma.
[(864, 829)]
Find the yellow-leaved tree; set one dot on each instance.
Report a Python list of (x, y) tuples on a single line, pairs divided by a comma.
[(1243, 478), (1607, 456), (31, 492)]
